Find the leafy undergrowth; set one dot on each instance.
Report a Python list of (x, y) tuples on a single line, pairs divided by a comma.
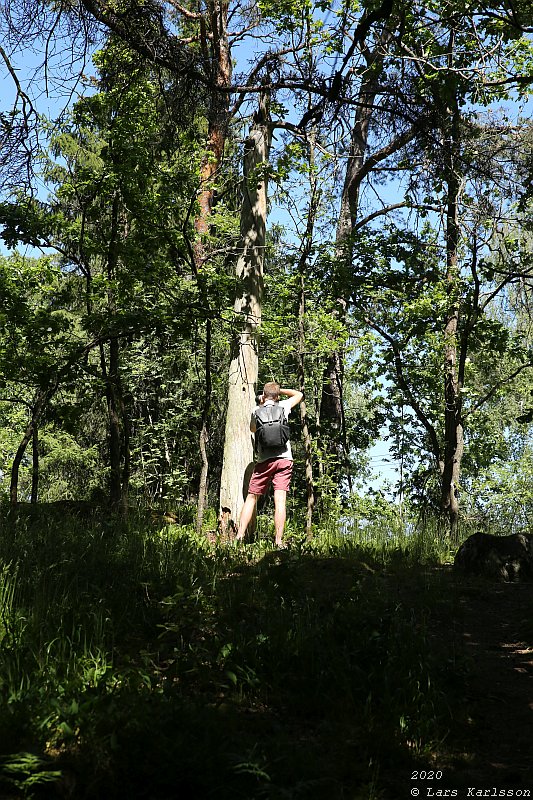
[(143, 663)]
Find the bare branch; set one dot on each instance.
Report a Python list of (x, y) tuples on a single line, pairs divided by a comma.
[(379, 213), (19, 134), (498, 385), (185, 11), (404, 386)]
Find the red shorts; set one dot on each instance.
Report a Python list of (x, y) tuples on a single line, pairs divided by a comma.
[(277, 470)]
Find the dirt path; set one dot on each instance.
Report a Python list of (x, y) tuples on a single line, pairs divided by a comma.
[(497, 631)]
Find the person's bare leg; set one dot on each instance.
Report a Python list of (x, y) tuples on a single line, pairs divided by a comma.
[(280, 514), (246, 516)]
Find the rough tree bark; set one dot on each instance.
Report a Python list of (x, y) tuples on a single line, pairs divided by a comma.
[(220, 58), (243, 371)]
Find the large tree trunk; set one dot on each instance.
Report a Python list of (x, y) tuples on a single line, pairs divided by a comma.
[(219, 55), (216, 139), (238, 445)]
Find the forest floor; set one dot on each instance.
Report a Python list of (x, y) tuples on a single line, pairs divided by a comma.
[(341, 673), (490, 748)]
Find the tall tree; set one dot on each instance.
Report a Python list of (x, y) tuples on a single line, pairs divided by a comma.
[(243, 371)]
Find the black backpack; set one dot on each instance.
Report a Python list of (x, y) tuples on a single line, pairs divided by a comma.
[(272, 429)]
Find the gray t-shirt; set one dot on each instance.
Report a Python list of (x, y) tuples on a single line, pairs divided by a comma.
[(264, 454)]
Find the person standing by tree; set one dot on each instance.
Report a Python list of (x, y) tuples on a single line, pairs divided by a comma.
[(273, 454)]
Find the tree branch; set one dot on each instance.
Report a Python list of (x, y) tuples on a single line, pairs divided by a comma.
[(379, 213), (494, 389), (404, 386)]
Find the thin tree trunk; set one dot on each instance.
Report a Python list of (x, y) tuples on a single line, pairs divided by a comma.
[(243, 373), (453, 423), (126, 466), (308, 446), (15, 468), (307, 244), (35, 463), (204, 433), (117, 424), (41, 399), (332, 406), (113, 417)]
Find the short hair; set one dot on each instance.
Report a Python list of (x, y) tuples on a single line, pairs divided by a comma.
[(271, 391)]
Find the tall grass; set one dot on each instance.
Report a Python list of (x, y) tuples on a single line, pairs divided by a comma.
[(138, 661)]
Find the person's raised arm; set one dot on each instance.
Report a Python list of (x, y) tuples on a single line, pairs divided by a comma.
[(294, 396)]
